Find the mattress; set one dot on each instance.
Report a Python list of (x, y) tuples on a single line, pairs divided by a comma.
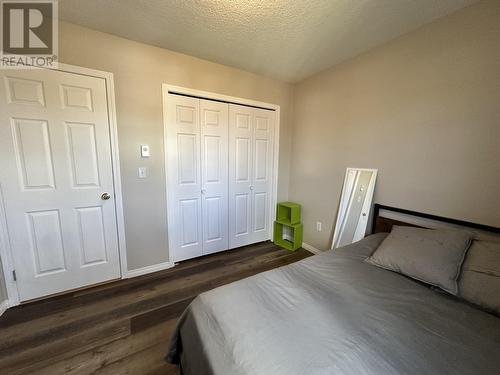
[(334, 314)]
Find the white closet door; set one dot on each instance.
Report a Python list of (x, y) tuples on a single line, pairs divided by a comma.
[(251, 147), (263, 146), (214, 174), (55, 163), (184, 177), (240, 174)]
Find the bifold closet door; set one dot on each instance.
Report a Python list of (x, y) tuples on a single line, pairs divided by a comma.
[(197, 168), (251, 145), (214, 174), (184, 177)]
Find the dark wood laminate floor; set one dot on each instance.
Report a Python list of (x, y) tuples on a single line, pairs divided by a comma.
[(121, 327)]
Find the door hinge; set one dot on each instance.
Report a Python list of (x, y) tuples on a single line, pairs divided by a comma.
[(14, 275)]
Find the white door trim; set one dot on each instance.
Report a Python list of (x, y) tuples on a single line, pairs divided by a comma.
[(5, 248), (167, 88)]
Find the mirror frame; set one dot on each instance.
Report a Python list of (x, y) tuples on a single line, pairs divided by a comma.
[(367, 204)]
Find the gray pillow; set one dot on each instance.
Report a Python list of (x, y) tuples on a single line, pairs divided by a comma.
[(431, 256), (480, 278)]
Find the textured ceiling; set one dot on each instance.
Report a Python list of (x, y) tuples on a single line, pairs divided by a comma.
[(284, 39)]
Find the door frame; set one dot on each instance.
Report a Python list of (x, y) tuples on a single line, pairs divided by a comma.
[(5, 247), (168, 88)]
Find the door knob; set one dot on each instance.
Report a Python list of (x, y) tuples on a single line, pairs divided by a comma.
[(105, 196), (203, 191), (251, 187)]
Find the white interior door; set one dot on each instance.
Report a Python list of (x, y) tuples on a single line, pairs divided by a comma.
[(184, 177), (251, 146), (214, 169), (55, 163)]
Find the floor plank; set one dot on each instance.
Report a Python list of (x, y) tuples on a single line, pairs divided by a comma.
[(122, 327), (103, 356), (31, 359)]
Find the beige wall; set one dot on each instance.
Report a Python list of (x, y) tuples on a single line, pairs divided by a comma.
[(139, 70), (423, 109)]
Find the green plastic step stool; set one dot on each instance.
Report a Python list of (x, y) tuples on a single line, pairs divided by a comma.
[(288, 216)]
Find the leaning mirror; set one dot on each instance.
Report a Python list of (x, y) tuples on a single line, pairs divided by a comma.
[(355, 203)]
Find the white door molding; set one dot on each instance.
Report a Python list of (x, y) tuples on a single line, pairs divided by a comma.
[(172, 89), (5, 248)]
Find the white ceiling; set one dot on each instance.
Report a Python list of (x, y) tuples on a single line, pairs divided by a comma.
[(284, 39)]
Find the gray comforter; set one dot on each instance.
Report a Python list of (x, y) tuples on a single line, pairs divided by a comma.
[(334, 314)]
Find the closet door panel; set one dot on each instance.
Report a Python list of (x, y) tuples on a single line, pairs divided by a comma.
[(261, 160), (184, 177), (241, 141), (262, 173), (260, 202), (187, 145), (214, 172), (241, 210), (188, 214), (242, 160)]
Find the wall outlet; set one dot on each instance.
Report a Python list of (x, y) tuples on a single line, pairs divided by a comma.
[(142, 172), (318, 226)]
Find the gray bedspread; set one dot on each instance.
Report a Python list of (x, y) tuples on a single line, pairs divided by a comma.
[(334, 314)]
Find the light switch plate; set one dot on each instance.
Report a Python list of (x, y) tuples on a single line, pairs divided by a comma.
[(142, 172), (145, 151)]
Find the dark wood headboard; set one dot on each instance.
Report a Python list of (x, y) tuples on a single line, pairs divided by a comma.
[(384, 224)]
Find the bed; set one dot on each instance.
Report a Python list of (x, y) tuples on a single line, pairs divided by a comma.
[(336, 314)]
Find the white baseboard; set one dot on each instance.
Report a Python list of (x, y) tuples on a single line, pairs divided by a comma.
[(148, 269), (311, 248), (4, 305)]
